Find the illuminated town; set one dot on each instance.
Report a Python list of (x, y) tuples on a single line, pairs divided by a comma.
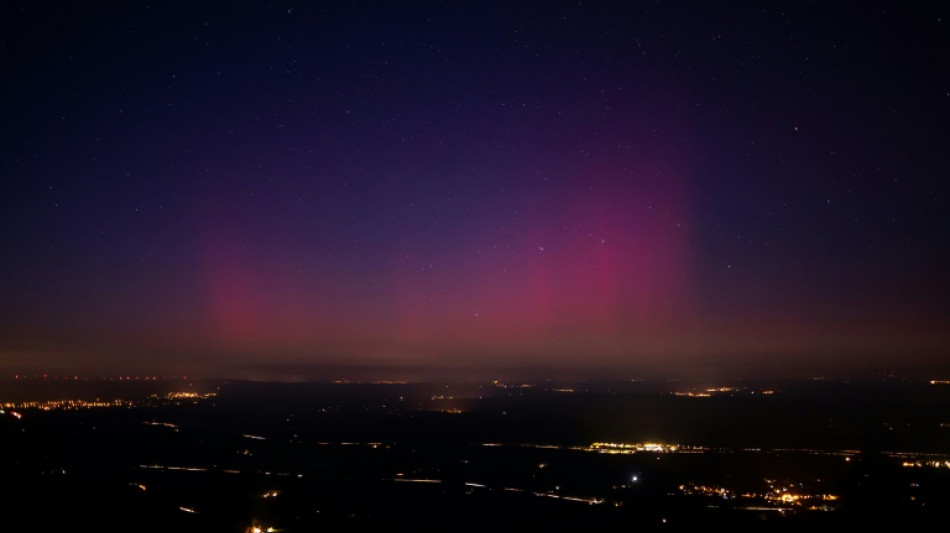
[(75, 404)]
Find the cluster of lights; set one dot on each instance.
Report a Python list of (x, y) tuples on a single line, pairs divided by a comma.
[(930, 464), (187, 395), (706, 393), (706, 490), (788, 494), (66, 405), (76, 404), (921, 460), (798, 499), (637, 447), (503, 385), (775, 495)]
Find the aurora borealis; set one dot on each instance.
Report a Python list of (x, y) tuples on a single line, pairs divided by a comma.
[(620, 188)]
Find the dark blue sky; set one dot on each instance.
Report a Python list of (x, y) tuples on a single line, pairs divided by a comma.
[(267, 189)]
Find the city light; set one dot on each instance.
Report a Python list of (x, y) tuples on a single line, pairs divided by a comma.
[(637, 447)]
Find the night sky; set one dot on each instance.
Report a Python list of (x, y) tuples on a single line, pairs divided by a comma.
[(275, 189)]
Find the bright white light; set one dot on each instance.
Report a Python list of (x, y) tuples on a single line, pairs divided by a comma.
[(636, 478)]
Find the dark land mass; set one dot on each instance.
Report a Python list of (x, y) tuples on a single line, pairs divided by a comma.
[(182, 455)]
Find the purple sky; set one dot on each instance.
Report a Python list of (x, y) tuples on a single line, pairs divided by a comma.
[(614, 189)]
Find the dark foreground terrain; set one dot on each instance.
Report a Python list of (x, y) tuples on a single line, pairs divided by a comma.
[(178, 455)]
